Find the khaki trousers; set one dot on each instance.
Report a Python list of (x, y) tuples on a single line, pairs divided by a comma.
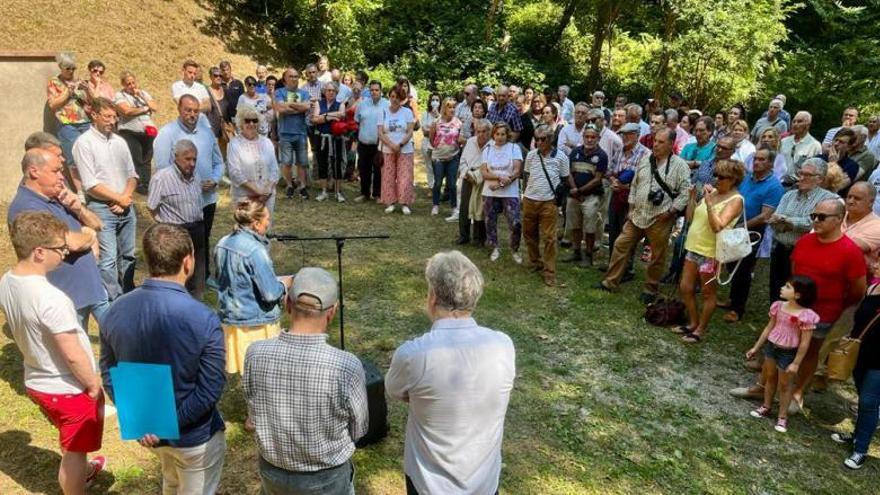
[(539, 223), (658, 234)]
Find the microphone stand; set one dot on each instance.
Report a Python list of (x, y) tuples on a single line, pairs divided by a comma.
[(340, 243)]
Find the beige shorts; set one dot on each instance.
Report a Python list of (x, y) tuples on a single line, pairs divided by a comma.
[(586, 215)]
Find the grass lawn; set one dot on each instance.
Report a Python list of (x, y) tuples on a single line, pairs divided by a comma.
[(603, 402)]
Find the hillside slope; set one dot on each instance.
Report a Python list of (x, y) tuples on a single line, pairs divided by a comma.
[(150, 38)]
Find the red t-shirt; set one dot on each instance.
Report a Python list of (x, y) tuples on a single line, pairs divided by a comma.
[(833, 266)]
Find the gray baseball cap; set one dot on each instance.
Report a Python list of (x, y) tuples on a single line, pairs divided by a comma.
[(629, 127), (314, 288)]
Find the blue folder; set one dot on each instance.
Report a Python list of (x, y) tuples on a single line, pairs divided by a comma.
[(144, 396)]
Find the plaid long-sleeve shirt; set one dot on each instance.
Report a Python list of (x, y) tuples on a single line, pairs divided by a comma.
[(307, 399)]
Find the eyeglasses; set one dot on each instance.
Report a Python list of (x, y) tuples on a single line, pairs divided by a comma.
[(214, 75), (540, 139), (98, 71), (721, 177), (69, 68), (251, 121), (62, 250), (820, 217), (807, 175)]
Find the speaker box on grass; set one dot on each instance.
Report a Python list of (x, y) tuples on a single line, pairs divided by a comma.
[(377, 405)]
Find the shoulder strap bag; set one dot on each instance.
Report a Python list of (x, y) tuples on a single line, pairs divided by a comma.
[(842, 358), (560, 191), (733, 244), (656, 174)]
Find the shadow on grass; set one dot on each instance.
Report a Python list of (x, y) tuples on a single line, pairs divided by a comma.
[(34, 468), (11, 367)]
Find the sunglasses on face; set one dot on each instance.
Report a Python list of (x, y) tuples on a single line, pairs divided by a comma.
[(821, 217), (721, 177), (251, 121), (69, 68), (215, 75), (540, 139), (97, 71), (250, 84)]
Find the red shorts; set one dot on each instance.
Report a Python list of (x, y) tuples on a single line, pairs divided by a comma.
[(79, 419)]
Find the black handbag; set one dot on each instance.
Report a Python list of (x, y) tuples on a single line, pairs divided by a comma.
[(560, 192)]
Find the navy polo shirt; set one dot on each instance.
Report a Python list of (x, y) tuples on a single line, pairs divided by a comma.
[(586, 164), (758, 193), (78, 277)]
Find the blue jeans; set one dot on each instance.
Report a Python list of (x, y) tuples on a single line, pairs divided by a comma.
[(338, 480), (97, 310), (116, 239), (67, 134), (868, 385), (447, 169)]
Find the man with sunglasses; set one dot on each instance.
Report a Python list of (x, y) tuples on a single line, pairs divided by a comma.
[(187, 85), (791, 219), (837, 266)]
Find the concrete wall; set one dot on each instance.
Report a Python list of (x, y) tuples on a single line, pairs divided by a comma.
[(23, 77)]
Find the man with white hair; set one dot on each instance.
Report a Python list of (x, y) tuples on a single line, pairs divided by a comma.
[(504, 110), (572, 135), (456, 380), (783, 113), (597, 100), (634, 116), (566, 106), (772, 119), (860, 153), (297, 380), (798, 146), (175, 197)]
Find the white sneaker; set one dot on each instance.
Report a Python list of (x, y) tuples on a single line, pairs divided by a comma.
[(360, 199), (435, 210), (406, 210), (340, 198), (109, 411), (454, 217), (390, 209), (496, 253), (322, 196), (517, 258)]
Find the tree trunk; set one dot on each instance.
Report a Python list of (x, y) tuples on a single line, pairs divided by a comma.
[(661, 82), (564, 21), (607, 12), (490, 19)]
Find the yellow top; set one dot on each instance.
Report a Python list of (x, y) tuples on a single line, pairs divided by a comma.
[(700, 237)]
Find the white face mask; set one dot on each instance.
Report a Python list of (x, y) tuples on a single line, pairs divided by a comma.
[(435, 104)]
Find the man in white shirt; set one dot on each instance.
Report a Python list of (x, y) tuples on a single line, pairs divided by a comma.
[(572, 135), (848, 119), (60, 373), (566, 106), (456, 380), (798, 146), (109, 179), (189, 86)]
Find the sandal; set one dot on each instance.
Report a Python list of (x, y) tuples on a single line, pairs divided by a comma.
[(691, 338), (681, 330), (731, 317)]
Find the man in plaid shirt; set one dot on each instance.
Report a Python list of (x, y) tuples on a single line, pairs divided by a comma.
[(505, 111), (307, 400)]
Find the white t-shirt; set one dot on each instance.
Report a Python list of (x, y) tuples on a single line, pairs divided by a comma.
[(395, 124), (35, 310), (500, 162), (197, 89)]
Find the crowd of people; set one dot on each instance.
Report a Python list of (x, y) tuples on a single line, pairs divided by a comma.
[(639, 179)]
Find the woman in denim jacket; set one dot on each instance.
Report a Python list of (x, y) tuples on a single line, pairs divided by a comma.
[(250, 295)]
